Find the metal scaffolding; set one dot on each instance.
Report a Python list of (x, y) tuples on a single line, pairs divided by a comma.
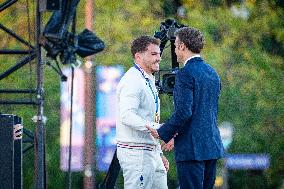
[(33, 53)]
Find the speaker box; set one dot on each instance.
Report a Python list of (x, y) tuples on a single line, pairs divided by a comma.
[(10, 153)]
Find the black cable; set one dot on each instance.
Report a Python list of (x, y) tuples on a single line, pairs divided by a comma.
[(70, 132), (71, 110)]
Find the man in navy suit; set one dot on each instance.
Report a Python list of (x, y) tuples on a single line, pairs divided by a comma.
[(193, 124)]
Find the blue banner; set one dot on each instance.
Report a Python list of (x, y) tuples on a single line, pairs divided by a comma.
[(248, 161), (107, 80)]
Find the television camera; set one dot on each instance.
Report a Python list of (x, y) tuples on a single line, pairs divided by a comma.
[(58, 41), (166, 33)]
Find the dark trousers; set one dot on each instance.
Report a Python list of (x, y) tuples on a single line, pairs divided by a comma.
[(196, 174)]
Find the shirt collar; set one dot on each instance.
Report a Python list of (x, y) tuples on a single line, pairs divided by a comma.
[(194, 56)]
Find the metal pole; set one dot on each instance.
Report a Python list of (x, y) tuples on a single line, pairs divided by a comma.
[(40, 168), (89, 179)]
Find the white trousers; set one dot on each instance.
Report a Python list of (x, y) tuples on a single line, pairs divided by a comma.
[(142, 169)]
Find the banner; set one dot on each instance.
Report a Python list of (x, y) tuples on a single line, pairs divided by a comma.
[(107, 80), (78, 121)]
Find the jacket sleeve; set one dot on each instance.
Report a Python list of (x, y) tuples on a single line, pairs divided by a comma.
[(183, 101)]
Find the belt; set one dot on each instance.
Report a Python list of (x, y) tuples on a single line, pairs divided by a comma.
[(136, 146)]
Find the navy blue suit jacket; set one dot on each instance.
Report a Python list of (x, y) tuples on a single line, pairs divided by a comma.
[(196, 93)]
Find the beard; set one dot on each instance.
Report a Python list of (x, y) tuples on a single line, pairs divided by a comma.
[(179, 59), (155, 66)]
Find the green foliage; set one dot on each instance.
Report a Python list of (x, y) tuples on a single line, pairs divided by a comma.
[(247, 53), (118, 22)]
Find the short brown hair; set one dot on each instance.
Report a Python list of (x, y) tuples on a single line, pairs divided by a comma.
[(192, 38), (141, 43)]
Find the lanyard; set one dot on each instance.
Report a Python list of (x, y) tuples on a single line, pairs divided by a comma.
[(149, 84)]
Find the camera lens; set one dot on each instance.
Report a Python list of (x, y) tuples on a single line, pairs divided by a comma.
[(168, 83)]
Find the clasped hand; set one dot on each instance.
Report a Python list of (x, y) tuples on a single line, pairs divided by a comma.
[(165, 146)]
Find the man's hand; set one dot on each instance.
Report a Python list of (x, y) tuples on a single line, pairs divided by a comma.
[(168, 146), (17, 134), (153, 132), (165, 162)]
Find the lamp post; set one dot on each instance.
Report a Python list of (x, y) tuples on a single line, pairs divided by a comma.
[(89, 179)]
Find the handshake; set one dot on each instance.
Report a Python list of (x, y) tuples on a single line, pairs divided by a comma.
[(165, 146)]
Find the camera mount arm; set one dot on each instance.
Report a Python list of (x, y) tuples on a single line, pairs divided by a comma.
[(167, 33)]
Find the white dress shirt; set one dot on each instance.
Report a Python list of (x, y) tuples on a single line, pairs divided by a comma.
[(194, 56), (136, 108)]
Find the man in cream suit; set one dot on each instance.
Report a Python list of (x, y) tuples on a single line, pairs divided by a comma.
[(139, 154)]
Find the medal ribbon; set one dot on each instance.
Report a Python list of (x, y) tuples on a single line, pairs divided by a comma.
[(149, 84)]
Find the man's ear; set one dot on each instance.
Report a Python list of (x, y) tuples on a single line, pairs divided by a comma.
[(182, 46), (137, 56)]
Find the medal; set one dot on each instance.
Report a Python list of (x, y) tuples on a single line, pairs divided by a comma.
[(157, 118)]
